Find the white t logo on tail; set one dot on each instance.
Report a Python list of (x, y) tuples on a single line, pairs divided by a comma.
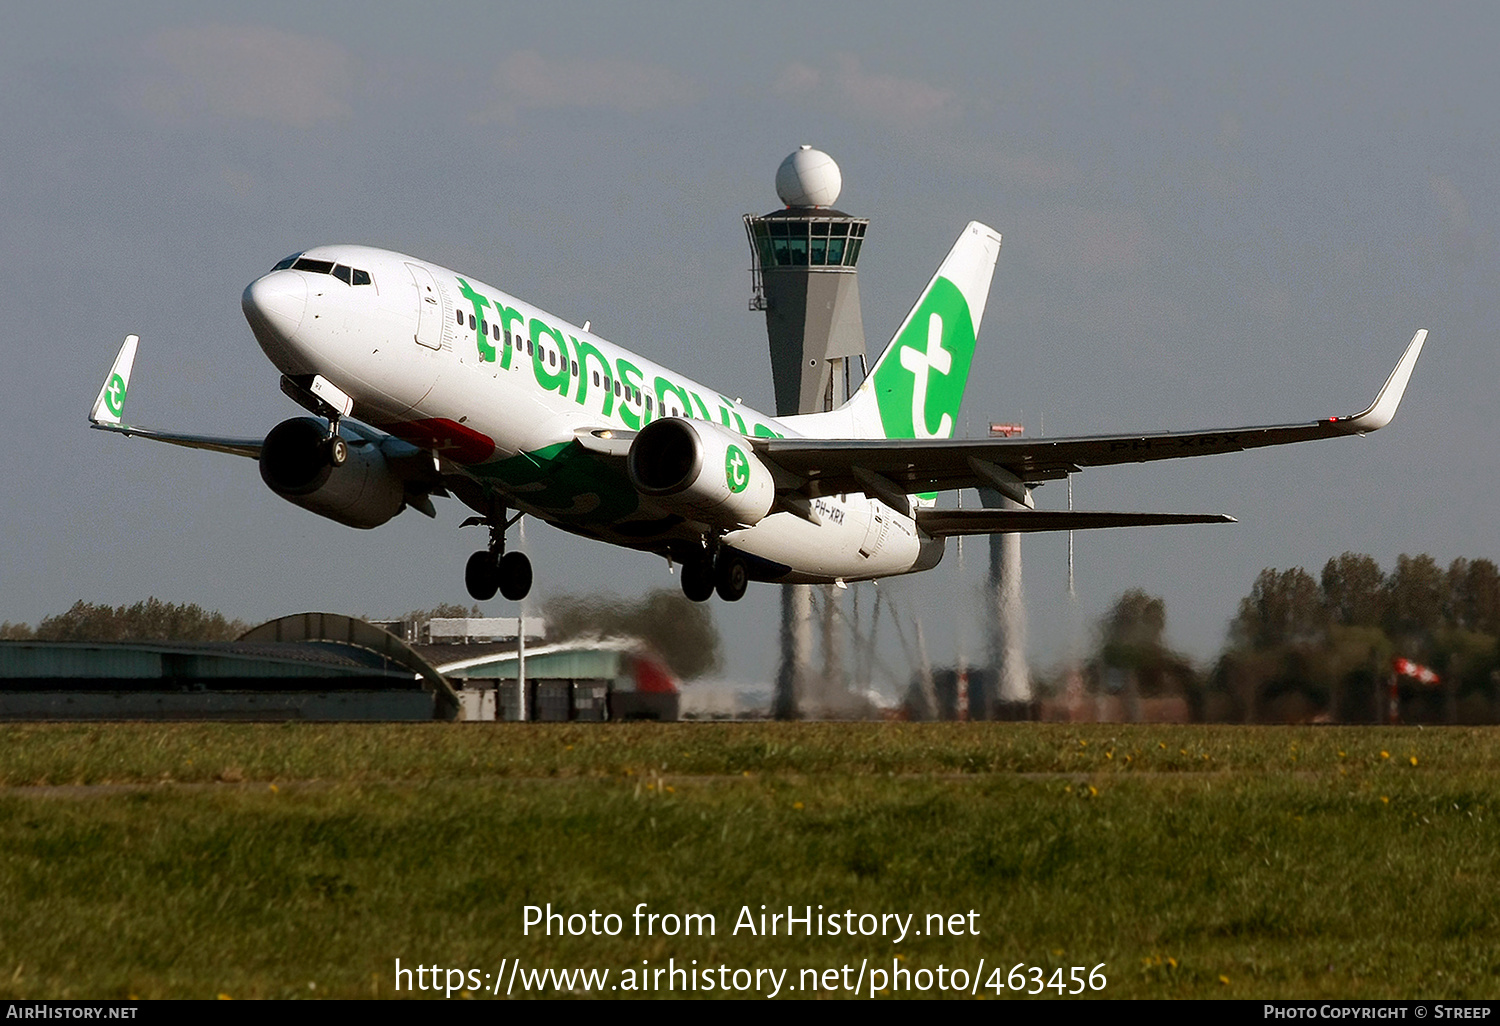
[(936, 358)]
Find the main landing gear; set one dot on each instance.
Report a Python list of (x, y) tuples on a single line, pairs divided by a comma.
[(717, 569), (493, 569)]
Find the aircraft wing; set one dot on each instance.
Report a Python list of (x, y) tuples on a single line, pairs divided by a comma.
[(109, 410), (233, 446), (914, 466)]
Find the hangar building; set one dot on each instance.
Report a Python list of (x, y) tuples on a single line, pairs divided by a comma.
[(325, 666)]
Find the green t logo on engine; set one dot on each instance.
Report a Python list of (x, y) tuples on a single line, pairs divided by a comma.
[(736, 469)]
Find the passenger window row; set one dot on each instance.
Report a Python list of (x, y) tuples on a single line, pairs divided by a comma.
[(629, 394), (492, 330)]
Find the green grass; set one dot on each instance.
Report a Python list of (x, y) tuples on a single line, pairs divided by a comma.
[(189, 860)]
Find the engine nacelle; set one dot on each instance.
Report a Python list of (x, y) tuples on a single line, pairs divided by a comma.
[(701, 471), (362, 492)]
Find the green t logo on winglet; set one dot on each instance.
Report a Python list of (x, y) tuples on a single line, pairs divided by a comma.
[(114, 395)]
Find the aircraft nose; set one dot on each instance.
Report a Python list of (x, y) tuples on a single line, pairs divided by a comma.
[(278, 300)]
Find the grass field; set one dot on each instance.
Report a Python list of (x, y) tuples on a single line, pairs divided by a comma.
[(192, 860)]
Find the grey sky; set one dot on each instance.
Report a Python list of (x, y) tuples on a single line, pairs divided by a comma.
[(1212, 217)]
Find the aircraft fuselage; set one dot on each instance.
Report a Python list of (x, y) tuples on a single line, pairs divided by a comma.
[(499, 390)]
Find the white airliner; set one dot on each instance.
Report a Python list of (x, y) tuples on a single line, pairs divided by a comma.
[(461, 389)]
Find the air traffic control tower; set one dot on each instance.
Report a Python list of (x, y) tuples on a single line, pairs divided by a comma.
[(803, 266), (804, 276)]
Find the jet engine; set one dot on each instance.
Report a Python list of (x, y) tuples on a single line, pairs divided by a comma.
[(361, 492), (701, 471)]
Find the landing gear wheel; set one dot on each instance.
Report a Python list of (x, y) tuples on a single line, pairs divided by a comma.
[(336, 451), (698, 580), (732, 576), (515, 576), (482, 576)]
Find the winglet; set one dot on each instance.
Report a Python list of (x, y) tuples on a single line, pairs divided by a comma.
[(109, 407), (1380, 412)]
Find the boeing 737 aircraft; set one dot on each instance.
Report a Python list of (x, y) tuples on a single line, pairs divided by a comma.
[(424, 382)]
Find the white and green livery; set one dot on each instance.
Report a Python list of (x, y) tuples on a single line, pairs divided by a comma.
[(423, 382)]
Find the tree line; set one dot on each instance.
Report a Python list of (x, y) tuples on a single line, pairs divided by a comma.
[(151, 620), (1301, 647)]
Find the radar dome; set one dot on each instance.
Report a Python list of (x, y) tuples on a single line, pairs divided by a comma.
[(808, 178)]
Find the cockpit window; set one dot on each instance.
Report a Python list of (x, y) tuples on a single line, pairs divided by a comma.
[(315, 266), (347, 275)]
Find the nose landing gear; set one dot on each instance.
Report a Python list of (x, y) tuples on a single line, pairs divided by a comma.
[(323, 398), (493, 569), (335, 448)]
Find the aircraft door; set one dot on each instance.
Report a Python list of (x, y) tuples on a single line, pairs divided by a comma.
[(880, 523), (430, 314)]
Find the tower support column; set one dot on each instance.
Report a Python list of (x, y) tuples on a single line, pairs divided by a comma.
[(1006, 609)]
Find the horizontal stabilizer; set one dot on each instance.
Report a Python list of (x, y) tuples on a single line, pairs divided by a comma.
[(941, 523)]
